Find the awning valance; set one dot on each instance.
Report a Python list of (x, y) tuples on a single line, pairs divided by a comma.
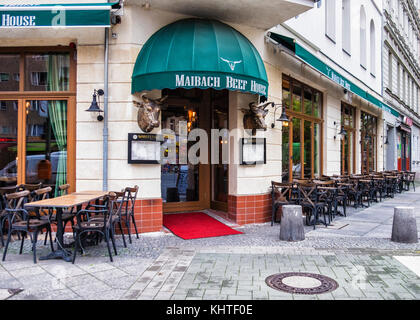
[(317, 64), (56, 15), (199, 53)]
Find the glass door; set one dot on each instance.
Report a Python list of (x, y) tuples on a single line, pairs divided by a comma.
[(220, 170), (185, 182)]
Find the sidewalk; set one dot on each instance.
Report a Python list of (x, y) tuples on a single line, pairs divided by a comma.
[(356, 252)]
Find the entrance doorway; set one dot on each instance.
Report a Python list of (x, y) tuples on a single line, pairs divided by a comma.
[(185, 185), (403, 149)]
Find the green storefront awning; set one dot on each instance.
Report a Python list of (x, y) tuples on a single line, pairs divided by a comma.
[(199, 53), (316, 63), (56, 15)]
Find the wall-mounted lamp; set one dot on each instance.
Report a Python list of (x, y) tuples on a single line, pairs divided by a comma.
[(342, 132), (94, 106), (283, 118)]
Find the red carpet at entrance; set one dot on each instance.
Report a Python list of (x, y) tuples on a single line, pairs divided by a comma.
[(194, 225)]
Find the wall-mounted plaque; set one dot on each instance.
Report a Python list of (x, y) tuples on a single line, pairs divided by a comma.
[(144, 148), (253, 151)]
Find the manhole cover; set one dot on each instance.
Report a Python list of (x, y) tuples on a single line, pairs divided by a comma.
[(301, 283)]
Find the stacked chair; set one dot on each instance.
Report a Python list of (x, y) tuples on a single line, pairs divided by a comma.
[(321, 197)]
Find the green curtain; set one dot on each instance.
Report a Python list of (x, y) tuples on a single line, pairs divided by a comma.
[(58, 114)]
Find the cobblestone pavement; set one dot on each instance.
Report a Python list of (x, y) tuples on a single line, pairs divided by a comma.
[(355, 251)]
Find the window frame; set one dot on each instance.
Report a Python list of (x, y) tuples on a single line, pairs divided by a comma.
[(22, 96)]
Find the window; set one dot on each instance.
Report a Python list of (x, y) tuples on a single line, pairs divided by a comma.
[(368, 142), (413, 102), (301, 140), (398, 80), (9, 66), (346, 26), (330, 19), (372, 48), (404, 88), (390, 70), (348, 141), (46, 121), (38, 75), (363, 37)]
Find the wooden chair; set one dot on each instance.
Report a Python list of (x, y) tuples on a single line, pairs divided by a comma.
[(67, 216), (117, 212), (29, 187), (410, 178), (281, 194), (102, 227), (21, 221), (130, 196), (310, 202)]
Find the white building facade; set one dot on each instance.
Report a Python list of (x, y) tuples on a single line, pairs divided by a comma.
[(401, 82), (343, 40)]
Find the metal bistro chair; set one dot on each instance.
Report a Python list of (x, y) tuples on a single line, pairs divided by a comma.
[(281, 194), (102, 227), (67, 216), (410, 178), (130, 196), (328, 193), (309, 200), (30, 187), (116, 211), (3, 206), (24, 222)]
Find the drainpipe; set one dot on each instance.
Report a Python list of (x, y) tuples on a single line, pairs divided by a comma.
[(105, 129)]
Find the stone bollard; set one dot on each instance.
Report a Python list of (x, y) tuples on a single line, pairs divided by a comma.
[(404, 227), (291, 226)]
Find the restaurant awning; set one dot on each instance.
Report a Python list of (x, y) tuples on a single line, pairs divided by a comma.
[(56, 15), (199, 53), (332, 74)]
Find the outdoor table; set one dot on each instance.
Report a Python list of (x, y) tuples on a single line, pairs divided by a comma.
[(59, 204)]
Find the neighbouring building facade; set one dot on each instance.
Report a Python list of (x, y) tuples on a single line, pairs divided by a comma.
[(401, 83), (332, 54), (202, 65)]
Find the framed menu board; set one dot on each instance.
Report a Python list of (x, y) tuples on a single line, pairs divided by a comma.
[(144, 148), (253, 151)]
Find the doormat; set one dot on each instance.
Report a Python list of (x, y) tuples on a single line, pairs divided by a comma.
[(195, 225)]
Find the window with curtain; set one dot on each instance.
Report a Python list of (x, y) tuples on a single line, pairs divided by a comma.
[(41, 156), (47, 72), (363, 37)]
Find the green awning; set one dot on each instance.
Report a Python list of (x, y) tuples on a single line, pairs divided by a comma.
[(199, 53), (316, 63), (56, 15)]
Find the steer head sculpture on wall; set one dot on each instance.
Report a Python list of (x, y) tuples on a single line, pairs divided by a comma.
[(148, 113), (254, 117)]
